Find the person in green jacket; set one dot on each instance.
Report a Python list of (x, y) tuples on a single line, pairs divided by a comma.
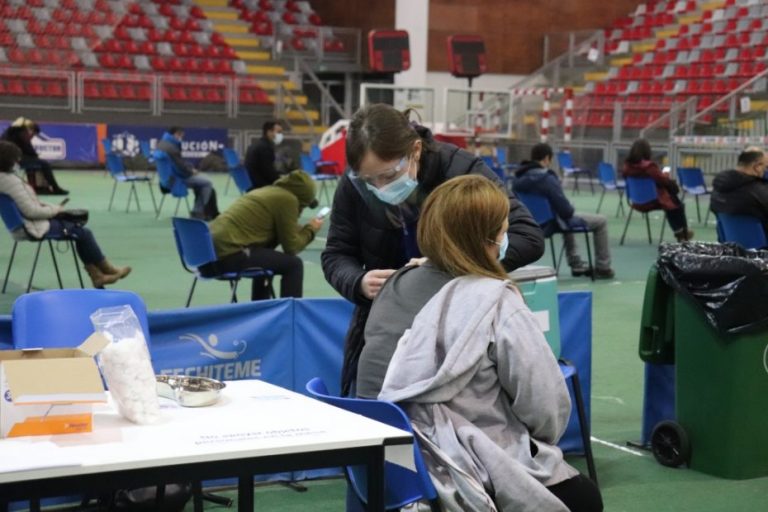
[(248, 232)]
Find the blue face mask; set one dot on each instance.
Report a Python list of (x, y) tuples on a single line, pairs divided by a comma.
[(503, 246), (396, 192)]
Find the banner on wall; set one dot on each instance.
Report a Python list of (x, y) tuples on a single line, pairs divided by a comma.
[(197, 143), (65, 142)]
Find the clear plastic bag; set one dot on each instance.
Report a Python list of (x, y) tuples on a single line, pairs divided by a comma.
[(125, 364)]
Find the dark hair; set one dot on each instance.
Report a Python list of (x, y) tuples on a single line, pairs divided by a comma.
[(268, 126), (749, 157), (541, 151), (9, 155), (382, 129), (173, 130), (640, 150)]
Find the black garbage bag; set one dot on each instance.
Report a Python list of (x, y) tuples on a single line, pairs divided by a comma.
[(728, 282)]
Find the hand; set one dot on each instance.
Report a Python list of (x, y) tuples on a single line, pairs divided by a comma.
[(315, 224), (373, 280), (416, 262)]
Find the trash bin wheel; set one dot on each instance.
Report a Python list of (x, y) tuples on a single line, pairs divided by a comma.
[(670, 444)]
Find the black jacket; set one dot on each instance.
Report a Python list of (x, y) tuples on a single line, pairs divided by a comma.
[(20, 136), (366, 234), (737, 193), (260, 163)]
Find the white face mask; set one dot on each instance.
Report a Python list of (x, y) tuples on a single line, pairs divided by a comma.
[(278, 138)]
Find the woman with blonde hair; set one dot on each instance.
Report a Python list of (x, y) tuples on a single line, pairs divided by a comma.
[(472, 369)]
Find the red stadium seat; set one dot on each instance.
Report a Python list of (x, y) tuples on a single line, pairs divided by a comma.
[(224, 67), (158, 63), (109, 91), (266, 5), (54, 89)]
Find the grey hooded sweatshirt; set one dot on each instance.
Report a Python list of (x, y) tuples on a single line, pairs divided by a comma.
[(486, 396)]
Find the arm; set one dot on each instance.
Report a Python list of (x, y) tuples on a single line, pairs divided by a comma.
[(661, 179), (292, 237), (526, 241), (30, 207), (560, 204), (342, 258), (180, 166), (530, 375)]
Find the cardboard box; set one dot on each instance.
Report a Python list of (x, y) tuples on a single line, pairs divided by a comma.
[(50, 391)]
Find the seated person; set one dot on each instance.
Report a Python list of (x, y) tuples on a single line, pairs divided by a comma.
[(21, 133), (743, 191), (246, 234), (536, 177), (474, 372), (205, 196), (639, 164), (260, 157), (40, 220)]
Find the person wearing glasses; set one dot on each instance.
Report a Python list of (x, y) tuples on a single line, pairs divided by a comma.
[(393, 166)]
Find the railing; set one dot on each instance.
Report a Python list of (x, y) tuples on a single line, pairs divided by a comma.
[(549, 74), (348, 53), (327, 101)]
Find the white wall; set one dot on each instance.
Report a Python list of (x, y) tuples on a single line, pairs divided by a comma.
[(413, 16)]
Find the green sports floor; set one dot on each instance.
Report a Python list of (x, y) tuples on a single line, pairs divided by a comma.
[(631, 481)]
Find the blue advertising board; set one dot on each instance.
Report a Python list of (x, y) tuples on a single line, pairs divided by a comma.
[(65, 142), (197, 143)]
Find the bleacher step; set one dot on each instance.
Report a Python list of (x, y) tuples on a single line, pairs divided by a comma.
[(300, 99), (250, 55), (227, 28), (242, 42), (211, 3), (265, 70), (216, 15), (296, 115)]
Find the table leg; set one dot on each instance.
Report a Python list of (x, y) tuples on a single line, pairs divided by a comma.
[(245, 493), (376, 480)]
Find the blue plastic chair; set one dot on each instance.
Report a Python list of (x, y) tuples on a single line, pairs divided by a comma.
[(195, 246), (570, 374), (744, 230), (325, 180), (168, 184), (107, 145), (402, 486), (146, 151), (61, 318), (116, 169), (14, 221), (641, 190), (545, 217), (495, 167), (237, 172), (565, 161), (692, 182), (607, 177)]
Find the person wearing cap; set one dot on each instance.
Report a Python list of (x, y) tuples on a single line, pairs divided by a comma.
[(247, 233)]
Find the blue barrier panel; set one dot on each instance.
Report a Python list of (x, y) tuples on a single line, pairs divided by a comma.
[(658, 397), (576, 346)]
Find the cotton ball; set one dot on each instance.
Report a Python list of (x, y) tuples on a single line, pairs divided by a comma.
[(128, 372)]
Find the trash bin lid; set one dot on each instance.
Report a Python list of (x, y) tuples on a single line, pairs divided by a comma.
[(531, 273)]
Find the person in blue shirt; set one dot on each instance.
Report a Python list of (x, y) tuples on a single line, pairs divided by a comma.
[(205, 207), (536, 177)]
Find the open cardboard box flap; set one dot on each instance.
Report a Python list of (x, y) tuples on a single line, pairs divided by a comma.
[(55, 375)]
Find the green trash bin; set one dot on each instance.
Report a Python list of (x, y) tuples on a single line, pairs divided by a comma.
[(722, 394), (657, 328), (538, 285)]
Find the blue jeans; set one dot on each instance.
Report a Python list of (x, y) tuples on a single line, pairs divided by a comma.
[(203, 189), (85, 243)]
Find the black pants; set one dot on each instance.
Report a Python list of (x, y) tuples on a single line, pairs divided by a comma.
[(579, 494), (290, 269), (30, 163), (676, 218)]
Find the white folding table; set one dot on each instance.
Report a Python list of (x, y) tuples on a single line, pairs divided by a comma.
[(254, 428)]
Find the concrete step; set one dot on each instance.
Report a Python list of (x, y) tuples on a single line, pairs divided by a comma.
[(228, 28), (300, 99), (306, 130), (271, 85), (248, 55), (295, 115), (242, 42), (220, 15), (211, 3)]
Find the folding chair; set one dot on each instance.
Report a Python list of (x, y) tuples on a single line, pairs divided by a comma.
[(744, 230), (641, 190), (14, 221), (607, 177), (565, 161), (308, 166), (168, 185), (402, 486), (195, 246), (237, 172), (116, 169), (545, 217), (323, 166), (692, 182)]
